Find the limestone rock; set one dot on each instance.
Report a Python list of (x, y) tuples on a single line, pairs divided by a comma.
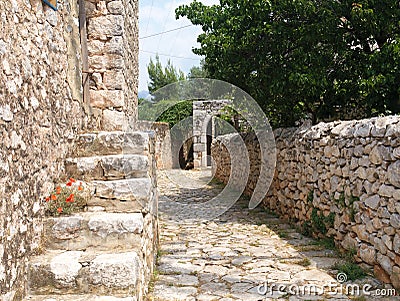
[(368, 254), (115, 270), (373, 201), (107, 99), (394, 174)]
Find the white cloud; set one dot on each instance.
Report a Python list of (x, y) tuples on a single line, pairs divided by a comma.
[(160, 17)]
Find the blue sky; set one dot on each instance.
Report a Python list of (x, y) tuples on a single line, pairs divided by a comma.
[(157, 16)]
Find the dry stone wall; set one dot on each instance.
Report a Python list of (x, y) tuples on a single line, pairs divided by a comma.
[(162, 152), (340, 180), (40, 111), (113, 61)]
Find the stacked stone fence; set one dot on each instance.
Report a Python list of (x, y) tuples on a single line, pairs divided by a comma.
[(339, 180), (162, 151)]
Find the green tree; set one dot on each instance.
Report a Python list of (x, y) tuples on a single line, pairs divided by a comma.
[(161, 76), (324, 59)]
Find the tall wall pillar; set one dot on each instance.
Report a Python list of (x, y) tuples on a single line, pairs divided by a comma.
[(113, 48)]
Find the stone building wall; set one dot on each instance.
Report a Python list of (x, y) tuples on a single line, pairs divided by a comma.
[(40, 111), (113, 61), (341, 180)]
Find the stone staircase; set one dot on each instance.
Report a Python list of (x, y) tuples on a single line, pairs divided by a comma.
[(107, 252)]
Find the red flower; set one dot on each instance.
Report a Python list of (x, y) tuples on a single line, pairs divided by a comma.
[(80, 187), (72, 180), (53, 197), (48, 199), (58, 190), (70, 199), (59, 209), (69, 184)]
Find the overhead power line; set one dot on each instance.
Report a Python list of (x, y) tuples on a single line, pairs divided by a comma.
[(161, 33), (174, 56), (148, 19)]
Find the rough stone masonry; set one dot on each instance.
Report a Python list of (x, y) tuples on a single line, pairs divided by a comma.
[(338, 179), (41, 108)]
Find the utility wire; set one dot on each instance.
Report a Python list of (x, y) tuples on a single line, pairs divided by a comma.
[(161, 33), (148, 19), (174, 56)]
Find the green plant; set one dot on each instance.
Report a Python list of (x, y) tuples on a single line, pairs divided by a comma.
[(306, 228), (310, 197), (66, 199), (327, 243), (320, 222), (341, 201), (317, 220), (351, 269), (305, 262)]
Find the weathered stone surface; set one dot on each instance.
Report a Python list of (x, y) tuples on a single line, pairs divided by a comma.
[(373, 201), (396, 243), (79, 272), (99, 230), (105, 27), (108, 167), (115, 7), (115, 270), (349, 169), (394, 174), (204, 249), (114, 120), (112, 143), (385, 263), (107, 99), (381, 274), (368, 254), (125, 190), (375, 156), (114, 80), (78, 298)]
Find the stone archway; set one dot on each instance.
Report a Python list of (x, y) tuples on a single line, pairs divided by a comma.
[(204, 129)]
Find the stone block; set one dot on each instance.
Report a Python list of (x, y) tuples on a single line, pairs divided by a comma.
[(107, 99), (69, 272), (114, 80), (105, 27), (112, 167), (99, 230), (105, 62), (113, 120), (112, 143)]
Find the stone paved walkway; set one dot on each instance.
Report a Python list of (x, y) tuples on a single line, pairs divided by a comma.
[(229, 257)]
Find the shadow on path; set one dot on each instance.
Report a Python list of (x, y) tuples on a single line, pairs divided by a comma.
[(239, 255)]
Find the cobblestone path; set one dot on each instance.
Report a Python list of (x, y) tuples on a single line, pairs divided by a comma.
[(233, 256)]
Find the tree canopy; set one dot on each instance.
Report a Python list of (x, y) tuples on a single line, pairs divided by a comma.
[(161, 76), (324, 59)]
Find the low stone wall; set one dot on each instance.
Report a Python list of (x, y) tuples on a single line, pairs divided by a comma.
[(162, 152), (339, 180)]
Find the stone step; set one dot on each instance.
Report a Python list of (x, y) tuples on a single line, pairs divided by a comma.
[(111, 167), (129, 195), (113, 143), (100, 230), (89, 272), (76, 298)]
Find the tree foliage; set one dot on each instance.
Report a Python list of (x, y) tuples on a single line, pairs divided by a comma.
[(161, 76), (160, 107), (325, 59)]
